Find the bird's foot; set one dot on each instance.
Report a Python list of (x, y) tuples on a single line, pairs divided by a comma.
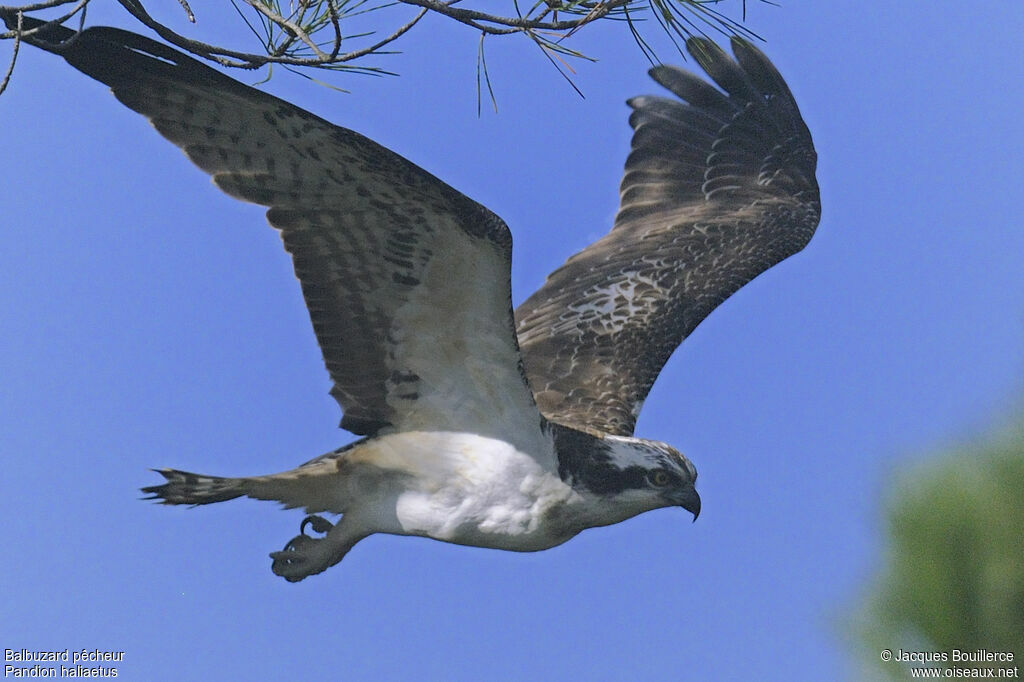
[(305, 555)]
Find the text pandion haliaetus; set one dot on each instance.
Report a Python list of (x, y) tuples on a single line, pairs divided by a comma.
[(482, 425)]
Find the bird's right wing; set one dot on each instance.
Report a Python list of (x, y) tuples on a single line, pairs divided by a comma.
[(406, 280), (718, 188)]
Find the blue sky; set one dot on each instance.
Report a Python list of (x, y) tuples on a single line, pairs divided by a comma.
[(146, 320)]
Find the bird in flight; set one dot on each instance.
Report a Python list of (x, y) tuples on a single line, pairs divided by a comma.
[(481, 424)]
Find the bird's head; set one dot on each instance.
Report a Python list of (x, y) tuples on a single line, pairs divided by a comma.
[(628, 476), (656, 472)]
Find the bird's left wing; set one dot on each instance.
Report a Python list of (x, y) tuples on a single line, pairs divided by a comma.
[(718, 188), (407, 281)]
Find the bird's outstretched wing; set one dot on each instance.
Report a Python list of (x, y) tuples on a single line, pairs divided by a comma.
[(718, 188), (407, 281)]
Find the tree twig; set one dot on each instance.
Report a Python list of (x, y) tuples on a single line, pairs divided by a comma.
[(14, 53), (548, 23)]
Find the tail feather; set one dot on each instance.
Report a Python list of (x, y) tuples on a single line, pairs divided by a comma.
[(183, 487)]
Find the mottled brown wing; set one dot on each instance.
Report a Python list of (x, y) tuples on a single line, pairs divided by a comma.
[(718, 188), (406, 280)]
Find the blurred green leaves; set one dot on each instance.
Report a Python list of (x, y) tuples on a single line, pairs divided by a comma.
[(954, 565)]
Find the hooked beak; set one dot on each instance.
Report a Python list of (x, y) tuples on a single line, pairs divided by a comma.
[(690, 501)]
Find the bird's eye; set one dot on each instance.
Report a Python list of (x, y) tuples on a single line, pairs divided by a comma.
[(659, 478)]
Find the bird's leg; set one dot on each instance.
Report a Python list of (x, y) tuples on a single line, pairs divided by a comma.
[(305, 555)]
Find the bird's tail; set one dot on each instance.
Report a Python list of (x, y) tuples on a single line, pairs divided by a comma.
[(318, 485), (183, 487)]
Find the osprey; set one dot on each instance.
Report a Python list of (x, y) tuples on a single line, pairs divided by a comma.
[(482, 425)]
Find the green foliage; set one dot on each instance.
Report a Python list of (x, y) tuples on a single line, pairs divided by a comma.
[(954, 576)]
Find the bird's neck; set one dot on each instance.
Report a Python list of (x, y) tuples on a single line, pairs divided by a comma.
[(586, 461)]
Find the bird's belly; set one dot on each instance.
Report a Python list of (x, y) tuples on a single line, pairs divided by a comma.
[(473, 490), (516, 531)]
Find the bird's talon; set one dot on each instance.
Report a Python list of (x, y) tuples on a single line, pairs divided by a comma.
[(303, 555), (319, 524)]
